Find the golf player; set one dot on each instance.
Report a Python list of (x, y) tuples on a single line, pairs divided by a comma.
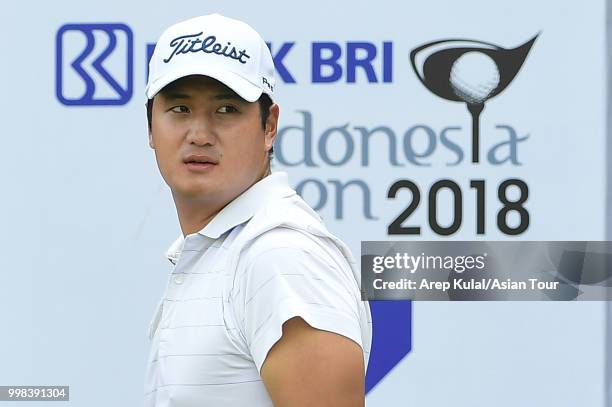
[(262, 306)]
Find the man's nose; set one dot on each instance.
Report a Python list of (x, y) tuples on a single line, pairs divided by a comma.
[(201, 132)]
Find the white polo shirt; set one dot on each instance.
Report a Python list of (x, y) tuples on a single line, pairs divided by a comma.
[(263, 259)]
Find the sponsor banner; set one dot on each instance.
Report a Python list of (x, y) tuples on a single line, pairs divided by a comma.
[(487, 271), (439, 121)]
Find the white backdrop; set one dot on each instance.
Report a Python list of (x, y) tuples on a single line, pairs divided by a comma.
[(86, 218)]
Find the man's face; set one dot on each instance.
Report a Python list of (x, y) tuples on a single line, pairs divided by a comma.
[(197, 119)]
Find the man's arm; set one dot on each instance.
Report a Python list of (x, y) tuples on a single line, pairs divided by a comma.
[(312, 367)]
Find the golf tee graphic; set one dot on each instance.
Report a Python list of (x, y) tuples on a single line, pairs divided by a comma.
[(468, 71)]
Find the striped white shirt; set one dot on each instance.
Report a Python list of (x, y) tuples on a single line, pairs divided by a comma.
[(265, 258)]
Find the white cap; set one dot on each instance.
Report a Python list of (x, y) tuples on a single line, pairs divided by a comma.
[(225, 49)]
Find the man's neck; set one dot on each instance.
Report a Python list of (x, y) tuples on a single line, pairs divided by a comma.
[(194, 215)]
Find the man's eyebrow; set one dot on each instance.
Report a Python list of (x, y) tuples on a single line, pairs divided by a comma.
[(224, 96), (171, 95)]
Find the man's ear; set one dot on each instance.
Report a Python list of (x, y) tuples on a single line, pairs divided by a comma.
[(151, 143), (149, 109), (271, 126)]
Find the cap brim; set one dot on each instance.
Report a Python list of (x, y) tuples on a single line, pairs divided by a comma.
[(245, 89)]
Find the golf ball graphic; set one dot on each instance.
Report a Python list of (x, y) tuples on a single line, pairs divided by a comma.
[(474, 76)]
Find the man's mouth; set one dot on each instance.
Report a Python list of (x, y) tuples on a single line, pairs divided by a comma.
[(199, 162)]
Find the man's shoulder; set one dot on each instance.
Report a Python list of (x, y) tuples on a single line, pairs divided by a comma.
[(288, 222), (290, 209), (289, 227), (285, 239)]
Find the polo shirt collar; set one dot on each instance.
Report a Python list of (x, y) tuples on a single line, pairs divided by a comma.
[(240, 210)]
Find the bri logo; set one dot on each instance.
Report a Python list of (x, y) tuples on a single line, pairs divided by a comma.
[(94, 64)]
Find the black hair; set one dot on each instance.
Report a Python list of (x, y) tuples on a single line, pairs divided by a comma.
[(265, 102)]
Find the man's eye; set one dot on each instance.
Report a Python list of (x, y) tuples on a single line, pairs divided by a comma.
[(180, 109), (227, 109)]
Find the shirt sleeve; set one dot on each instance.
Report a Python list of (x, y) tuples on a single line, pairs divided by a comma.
[(285, 282)]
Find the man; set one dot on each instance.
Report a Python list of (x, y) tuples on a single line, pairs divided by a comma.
[(263, 305)]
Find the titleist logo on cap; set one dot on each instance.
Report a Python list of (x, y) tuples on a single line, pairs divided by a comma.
[(192, 43)]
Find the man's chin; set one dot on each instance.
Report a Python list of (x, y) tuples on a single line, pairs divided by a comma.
[(198, 193)]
